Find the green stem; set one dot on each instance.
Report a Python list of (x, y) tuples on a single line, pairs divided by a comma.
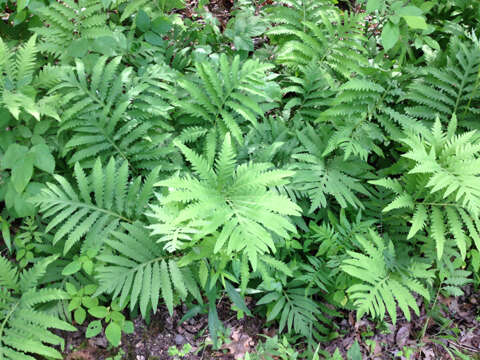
[(4, 323)]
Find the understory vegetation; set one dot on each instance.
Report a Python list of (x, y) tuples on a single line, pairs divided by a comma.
[(314, 156)]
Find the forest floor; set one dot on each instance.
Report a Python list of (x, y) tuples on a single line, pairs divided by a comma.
[(453, 327)]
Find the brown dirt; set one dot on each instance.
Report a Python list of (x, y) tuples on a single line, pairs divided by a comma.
[(453, 326)]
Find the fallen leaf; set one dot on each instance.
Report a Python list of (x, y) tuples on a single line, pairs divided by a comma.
[(403, 334)]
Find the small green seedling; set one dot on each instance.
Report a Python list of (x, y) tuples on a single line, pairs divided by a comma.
[(178, 354)]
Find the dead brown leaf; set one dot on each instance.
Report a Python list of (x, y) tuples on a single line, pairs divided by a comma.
[(403, 334), (241, 343)]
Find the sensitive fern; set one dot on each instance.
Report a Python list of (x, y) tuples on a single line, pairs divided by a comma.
[(325, 35), (75, 214), (451, 89), (223, 97), (384, 281), (136, 270), (24, 330), (441, 191), (319, 177), (70, 24), (113, 112), (17, 74), (235, 199)]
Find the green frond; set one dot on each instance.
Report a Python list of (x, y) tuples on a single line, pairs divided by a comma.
[(113, 114), (135, 270), (232, 199), (73, 213), (449, 89), (225, 96), (380, 289), (26, 59), (319, 177), (68, 22), (24, 330)]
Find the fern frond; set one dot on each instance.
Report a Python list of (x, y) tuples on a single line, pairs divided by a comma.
[(381, 288), (69, 21), (135, 270), (319, 177), (113, 114), (235, 198), (226, 96), (74, 213), (24, 330), (450, 89)]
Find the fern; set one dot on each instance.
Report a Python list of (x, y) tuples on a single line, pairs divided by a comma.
[(235, 198), (224, 97), (441, 191), (136, 270), (24, 330), (111, 113), (295, 304), (272, 141), (318, 177), (316, 37), (312, 92), (338, 234), (75, 214), (450, 89), (384, 283), (364, 117), (17, 74), (297, 313), (69, 22), (290, 14)]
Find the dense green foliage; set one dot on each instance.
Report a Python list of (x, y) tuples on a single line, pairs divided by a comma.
[(310, 155)]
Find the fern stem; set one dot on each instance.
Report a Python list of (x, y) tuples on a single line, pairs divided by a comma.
[(473, 92), (96, 208), (460, 90), (4, 322), (441, 204)]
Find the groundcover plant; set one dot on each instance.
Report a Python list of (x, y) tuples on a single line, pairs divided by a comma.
[(319, 157)]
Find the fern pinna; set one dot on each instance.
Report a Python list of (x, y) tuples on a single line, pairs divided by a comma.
[(24, 330)]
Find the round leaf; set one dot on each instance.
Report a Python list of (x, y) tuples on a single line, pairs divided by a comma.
[(128, 327), (44, 160), (113, 332), (89, 302), (373, 5), (416, 22), (71, 289), (93, 329), (390, 35), (79, 315), (22, 173), (143, 21), (98, 311)]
